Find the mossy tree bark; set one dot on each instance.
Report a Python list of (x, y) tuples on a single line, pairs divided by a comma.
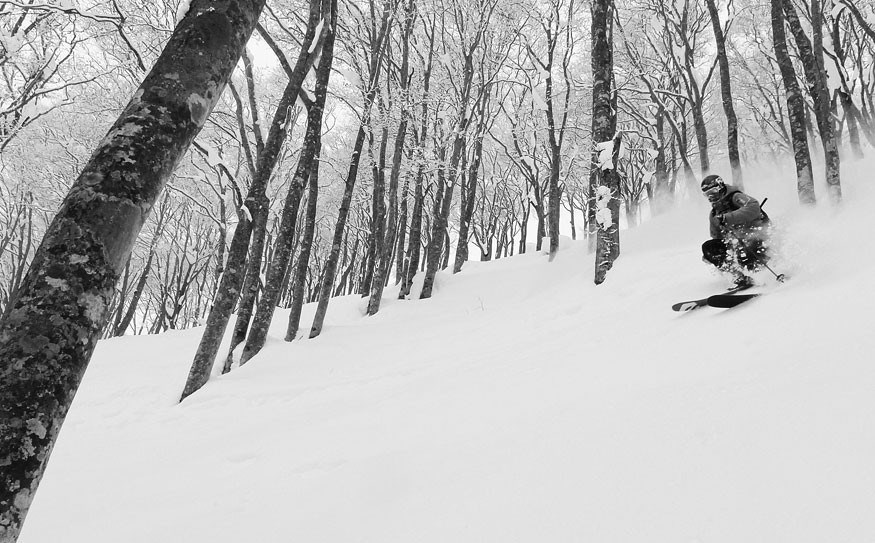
[(48, 336)]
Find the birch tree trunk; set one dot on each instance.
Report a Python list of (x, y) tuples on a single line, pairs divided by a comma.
[(48, 336)]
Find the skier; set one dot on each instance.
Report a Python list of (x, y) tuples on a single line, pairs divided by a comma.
[(739, 231)]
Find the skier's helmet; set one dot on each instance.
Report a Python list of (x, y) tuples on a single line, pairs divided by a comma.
[(713, 187)]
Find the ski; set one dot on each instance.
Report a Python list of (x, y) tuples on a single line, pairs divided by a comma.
[(729, 300), (702, 302)]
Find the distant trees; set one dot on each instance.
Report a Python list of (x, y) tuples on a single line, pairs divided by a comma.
[(430, 188), (40, 48), (475, 139)]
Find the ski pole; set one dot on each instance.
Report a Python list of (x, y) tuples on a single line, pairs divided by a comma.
[(778, 276)]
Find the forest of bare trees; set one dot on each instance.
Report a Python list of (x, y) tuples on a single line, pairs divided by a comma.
[(170, 164)]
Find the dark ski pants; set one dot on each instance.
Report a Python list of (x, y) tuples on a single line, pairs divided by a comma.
[(749, 254)]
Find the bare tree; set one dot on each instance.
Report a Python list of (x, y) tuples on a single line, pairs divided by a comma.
[(256, 201), (795, 107), (811, 55), (307, 167), (376, 40), (726, 91)]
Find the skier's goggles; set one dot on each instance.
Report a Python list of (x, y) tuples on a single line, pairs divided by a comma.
[(713, 192)]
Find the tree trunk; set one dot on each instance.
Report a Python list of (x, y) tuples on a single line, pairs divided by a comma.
[(251, 282), (795, 108), (662, 191), (303, 264), (571, 210), (331, 264), (384, 258), (467, 200), (701, 137), (402, 231), (604, 125), (414, 243), (378, 49), (812, 63), (726, 94), (123, 324), (443, 202), (229, 288), (307, 167), (48, 336)]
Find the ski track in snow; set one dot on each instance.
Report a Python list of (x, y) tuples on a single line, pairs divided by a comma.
[(520, 403)]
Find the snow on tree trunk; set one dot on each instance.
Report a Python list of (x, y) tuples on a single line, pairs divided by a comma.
[(251, 281), (604, 181), (47, 337)]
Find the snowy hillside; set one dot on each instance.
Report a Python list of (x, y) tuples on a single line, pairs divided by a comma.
[(520, 403)]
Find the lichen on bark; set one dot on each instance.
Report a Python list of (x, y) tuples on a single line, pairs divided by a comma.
[(52, 325)]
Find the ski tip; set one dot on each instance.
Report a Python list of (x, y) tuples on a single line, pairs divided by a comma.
[(683, 307)]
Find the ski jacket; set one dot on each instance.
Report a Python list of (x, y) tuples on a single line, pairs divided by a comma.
[(741, 215)]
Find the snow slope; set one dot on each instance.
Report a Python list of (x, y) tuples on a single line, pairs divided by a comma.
[(521, 403)]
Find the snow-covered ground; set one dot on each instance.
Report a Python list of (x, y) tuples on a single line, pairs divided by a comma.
[(520, 403)]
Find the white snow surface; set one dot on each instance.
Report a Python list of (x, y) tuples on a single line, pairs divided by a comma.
[(520, 403)]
